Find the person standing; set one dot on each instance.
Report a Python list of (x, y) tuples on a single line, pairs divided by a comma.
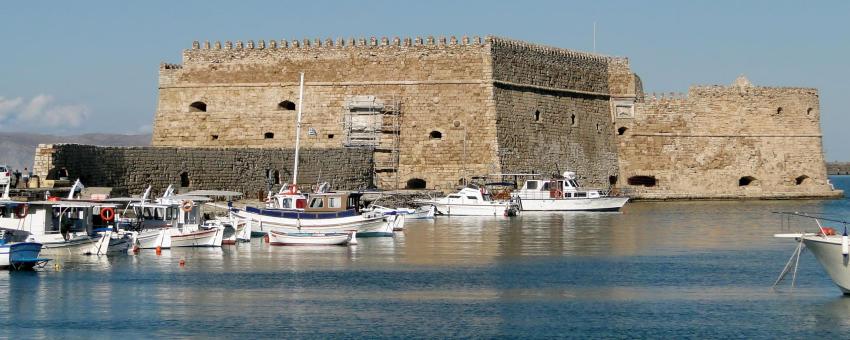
[(26, 176)]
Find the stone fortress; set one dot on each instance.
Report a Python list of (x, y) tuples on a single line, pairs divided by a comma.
[(434, 111)]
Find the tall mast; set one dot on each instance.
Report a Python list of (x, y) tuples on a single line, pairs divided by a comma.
[(298, 130)]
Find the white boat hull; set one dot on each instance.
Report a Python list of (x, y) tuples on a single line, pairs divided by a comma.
[(573, 204), (365, 225), (153, 238), (109, 243), (471, 209), (77, 246), (198, 238), (827, 250), (313, 239)]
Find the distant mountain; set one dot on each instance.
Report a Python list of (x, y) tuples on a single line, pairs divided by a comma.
[(17, 149)]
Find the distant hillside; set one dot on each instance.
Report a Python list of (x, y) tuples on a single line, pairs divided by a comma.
[(18, 148)]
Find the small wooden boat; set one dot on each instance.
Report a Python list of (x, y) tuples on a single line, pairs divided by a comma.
[(286, 239)]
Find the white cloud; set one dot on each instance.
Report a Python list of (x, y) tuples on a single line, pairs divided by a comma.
[(41, 112), (7, 106)]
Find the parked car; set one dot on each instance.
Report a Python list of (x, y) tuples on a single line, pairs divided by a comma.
[(5, 175)]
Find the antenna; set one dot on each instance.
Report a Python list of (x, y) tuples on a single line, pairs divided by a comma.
[(594, 37)]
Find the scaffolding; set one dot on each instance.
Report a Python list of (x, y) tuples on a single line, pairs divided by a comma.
[(373, 123)]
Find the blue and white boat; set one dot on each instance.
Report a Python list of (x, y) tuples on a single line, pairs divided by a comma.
[(20, 255)]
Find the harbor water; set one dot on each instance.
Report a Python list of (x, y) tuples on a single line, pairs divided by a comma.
[(657, 269)]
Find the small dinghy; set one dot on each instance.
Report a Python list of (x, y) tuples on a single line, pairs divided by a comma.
[(287, 239)]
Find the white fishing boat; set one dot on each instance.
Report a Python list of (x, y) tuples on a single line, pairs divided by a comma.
[(312, 239), (831, 248), (62, 227), (335, 212), (321, 212), (471, 201), (564, 194), (173, 221)]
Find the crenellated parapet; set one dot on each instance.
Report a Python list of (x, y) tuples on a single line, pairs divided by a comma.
[(341, 42)]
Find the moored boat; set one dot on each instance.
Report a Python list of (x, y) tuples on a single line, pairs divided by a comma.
[(564, 194), (286, 239), (831, 249), (471, 201)]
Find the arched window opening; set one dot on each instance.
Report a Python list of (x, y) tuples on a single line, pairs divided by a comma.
[(184, 179), (198, 107), (803, 180), (537, 116), (213, 137), (268, 135), (809, 111), (276, 178), (573, 120), (779, 110), (746, 181), (612, 180), (622, 130), (415, 183), (644, 181), (286, 105), (598, 128), (436, 135)]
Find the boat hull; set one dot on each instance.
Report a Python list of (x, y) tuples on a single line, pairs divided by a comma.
[(154, 238), (577, 204), (827, 250), (199, 238), (76, 246), (365, 225), (308, 239), (471, 209), (20, 256)]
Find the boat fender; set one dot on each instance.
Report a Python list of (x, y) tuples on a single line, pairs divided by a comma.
[(22, 210), (186, 206), (845, 243), (107, 214)]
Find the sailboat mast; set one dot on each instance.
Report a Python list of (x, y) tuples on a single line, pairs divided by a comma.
[(298, 130)]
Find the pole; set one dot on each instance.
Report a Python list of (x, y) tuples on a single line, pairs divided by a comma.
[(298, 130), (594, 37)]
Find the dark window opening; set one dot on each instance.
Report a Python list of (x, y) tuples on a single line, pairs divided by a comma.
[(184, 179), (809, 111), (537, 115), (746, 180), (779, 110), (646, 181), (802, 180), (276, 177), (198, 107), (214, 137), (612, 180), (436, 135), (573, 121), (622, 130), (415, 183), (330, 136), (286, 105), (268, 135)]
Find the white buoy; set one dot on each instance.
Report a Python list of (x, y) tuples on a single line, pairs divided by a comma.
[(845, 244)]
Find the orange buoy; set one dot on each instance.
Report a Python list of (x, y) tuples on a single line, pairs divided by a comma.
[(266, 238), (158, 250), (135, 249), (182, 262)]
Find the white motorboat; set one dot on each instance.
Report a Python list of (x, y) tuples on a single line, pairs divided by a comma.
[(287, 239), (471, 201), (173, 221), (564, 194), (831, 249)]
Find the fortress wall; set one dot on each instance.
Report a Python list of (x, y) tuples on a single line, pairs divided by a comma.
[(700, 146), (553, 112), (439, 83), (129, 170)]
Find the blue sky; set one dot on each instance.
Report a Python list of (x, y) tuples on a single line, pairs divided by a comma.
[(91, 66)]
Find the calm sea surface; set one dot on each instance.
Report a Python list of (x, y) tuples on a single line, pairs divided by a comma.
[(671, 269)]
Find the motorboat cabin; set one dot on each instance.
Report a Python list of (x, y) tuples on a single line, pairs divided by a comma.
[(565, 194)]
